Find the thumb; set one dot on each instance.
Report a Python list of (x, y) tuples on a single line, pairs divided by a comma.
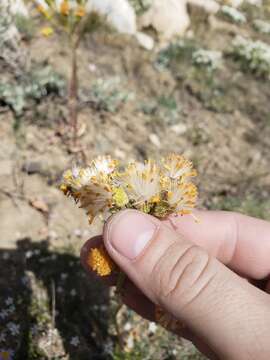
[(221, 308)]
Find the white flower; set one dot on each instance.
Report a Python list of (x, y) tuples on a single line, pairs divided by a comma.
[(73, 292), (152, 327), (13, 328), (208, 58), (255, 55), (104, 165), (262, 26), (233, 14), (142, 181), (181, 196), (2, 336), (34, 329), (11, 309), (60, 289), (64, 276), (75, 341), (9, 301), (176, 167), (127, 326), (3, 314), (25, 280)]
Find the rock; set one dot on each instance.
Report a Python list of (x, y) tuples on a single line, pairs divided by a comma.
[(65, 216), (155, 140), (32, 167), (145, 40), (209, 6), (118, 13), (27, 221), (237, 3), (168, 18), (6, 167), (179, 129), (121, 15), (16, 7)]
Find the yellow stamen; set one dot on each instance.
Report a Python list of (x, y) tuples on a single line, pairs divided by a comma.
[(43, 11), (64, 8), (80, 11), (47, 31), (100, 262)]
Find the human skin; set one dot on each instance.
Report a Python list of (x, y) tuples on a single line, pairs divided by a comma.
[(212, 276)]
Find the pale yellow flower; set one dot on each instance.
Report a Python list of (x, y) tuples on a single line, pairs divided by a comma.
[(47, 31), (142, 182), (176, 167), (181, 197)]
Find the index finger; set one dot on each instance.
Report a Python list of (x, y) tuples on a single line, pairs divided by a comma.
[(238, 241)]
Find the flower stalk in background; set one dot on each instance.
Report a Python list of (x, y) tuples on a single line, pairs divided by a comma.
[(70, 17)]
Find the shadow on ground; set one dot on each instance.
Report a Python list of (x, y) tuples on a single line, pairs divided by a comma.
[(42, 290)]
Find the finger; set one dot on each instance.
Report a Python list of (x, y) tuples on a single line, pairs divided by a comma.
[(216, 304), (241, 242)]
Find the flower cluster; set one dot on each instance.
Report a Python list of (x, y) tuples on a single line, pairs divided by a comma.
[(233, 14), (262, 26), (66, 12), (104, 188), (254, 55), (209, 59)]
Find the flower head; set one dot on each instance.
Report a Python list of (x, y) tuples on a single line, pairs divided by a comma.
[(142, 182), (176, 167), (181, 197), (64, 13)]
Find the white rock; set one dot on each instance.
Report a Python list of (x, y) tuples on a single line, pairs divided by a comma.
[(119, 13), (15, 7), (155, 140), (237, 3), (168, 18), (209, 6), (179, 129), (145, 41)]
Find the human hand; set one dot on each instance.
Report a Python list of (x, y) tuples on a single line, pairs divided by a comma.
[(209, 276)]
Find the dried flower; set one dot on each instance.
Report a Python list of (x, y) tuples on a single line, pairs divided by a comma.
[(103, 188)]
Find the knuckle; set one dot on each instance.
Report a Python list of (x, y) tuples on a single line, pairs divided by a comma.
[(182, 272)]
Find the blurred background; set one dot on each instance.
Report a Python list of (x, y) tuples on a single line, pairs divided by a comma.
[(190, 77)]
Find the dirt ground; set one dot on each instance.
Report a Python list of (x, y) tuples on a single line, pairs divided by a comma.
[(158, 103)]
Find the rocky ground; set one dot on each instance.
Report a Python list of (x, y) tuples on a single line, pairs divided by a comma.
[(133, 104)]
